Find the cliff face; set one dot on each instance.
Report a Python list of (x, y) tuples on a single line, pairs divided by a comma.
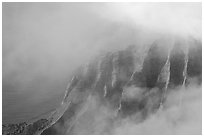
[(152, 72)]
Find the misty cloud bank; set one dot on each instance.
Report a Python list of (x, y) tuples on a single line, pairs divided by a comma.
[(97, 118)]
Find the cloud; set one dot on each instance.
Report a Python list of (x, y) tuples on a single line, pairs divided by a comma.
[(171, 119), (182, 19)]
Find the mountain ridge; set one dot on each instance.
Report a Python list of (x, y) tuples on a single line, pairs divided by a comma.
[(108, 78)]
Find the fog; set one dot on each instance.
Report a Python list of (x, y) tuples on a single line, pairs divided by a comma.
[(174, 119), (172, 18), (44, 43)]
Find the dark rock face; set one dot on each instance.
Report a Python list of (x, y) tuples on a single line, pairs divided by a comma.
[(146, 78), (177, 61), (139, 79), (130, 107), (153, 64), (195, 59), (108, 76), (105, 68)]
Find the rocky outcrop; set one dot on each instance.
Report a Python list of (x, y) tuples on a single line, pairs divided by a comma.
[(25, 129)]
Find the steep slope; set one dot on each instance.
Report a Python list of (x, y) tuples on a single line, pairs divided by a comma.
[(128, 81)]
